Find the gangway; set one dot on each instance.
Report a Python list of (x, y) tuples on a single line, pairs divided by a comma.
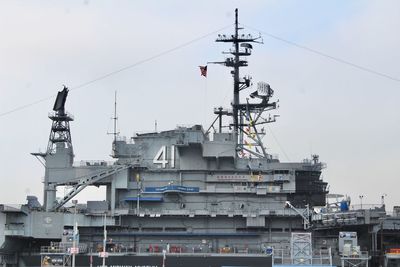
[(89, 180)]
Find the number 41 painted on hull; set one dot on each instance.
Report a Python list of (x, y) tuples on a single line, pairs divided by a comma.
[(161, 157)]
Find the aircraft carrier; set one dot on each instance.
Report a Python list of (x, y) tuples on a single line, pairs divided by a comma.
[(193, 196)]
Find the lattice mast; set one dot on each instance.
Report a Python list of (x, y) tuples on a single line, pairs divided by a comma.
[(246, 116), (60, 134)]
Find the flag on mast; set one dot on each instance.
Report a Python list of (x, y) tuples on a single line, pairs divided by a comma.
[(203, 70)]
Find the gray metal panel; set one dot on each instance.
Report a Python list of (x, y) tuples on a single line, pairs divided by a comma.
[(97, 206), (121, 179), (218, 149), (2, 228), (257, 221), (191, 158)]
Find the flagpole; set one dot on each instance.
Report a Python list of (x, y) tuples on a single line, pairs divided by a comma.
[(164, 257), (105, 240), (203, 72), (75, 230), (205, 102)]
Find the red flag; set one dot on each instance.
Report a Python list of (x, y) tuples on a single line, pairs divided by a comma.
[(203, 70)]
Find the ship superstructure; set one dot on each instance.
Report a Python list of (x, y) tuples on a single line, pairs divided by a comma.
[(184, 192)]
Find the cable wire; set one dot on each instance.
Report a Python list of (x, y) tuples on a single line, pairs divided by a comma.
[(314, 51), (26, 105), (279, 144), (117, 71)]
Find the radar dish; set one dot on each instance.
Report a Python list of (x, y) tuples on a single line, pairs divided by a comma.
[(60, 100), (246, 45)]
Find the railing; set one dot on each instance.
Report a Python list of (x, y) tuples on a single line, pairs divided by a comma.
[(280, 256), (66, 115), (392, 214), (358, 259), (178, 126), (223, 37), (365, 207), (353, 209), (90, 163), (62, 248), (358, 254), (183, 248), (128, 140), (274, 156), (319, 257), (228, 110), (52, 249), (205, 212)]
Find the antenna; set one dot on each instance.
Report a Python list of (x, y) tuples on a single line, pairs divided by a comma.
[(115, 116), (115, 119)]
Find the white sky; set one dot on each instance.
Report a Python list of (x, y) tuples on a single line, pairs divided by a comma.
[(348, 116)]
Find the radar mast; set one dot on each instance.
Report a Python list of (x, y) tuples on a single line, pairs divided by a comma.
[(247, 116), (60, 134)]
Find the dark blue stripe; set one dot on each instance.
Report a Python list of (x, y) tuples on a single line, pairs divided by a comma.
[(148, 199)]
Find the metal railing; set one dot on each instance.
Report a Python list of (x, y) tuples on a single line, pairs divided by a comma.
[(182, 248), (62, 248), (319, 257), (53, 249), (358, 259), (205, 212), (91, 163), (365, 207), (53, 114)]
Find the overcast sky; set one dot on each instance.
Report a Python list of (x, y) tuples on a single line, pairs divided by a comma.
[(349, 116)]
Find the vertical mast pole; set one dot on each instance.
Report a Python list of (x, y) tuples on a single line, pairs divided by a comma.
[(114, 133), (236, 80), (241, 112), (220, 120), (75, 233), (115, 117), (105, 240)]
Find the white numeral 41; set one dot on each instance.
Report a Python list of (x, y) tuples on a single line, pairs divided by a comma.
[(161, 157)]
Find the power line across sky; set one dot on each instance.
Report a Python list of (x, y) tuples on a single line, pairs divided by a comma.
[(185, 44)]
